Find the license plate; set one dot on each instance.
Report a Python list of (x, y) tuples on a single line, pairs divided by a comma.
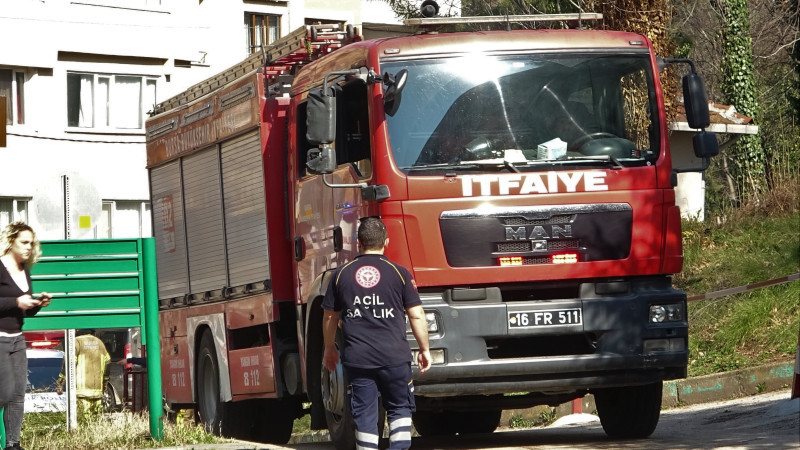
[(545, 318)]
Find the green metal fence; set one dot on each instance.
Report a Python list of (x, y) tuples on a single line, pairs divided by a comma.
[(106, 283)]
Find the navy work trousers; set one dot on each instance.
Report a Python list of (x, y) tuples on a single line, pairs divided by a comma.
[(396, 389)]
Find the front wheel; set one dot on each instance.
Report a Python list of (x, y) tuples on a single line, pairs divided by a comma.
[(629, 412), (275, 420), (435, 423), (340, 422), (341, 427), (476, 422)]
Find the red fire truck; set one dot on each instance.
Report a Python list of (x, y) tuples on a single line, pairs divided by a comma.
[(524, 177)]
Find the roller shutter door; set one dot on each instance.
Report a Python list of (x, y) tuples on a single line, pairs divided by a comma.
[(168, 229), (204, 225), (245, 210)]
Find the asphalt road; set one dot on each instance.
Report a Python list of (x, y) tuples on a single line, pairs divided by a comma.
[(764, 421)]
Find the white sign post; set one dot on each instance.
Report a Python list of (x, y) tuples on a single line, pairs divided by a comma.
[(72, 399)]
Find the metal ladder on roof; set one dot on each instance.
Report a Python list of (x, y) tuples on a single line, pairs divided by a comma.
[(284, 56)]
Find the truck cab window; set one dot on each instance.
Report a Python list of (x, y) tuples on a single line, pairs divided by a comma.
[(303, 146), (352, 133), (638, 113), (585, 105)]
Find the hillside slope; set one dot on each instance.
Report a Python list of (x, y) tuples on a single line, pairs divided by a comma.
[(751, 328)]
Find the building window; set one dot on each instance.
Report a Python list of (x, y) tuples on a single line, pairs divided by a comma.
[(262, 30), (12, 87), (20, 79), (109, 102), (124, 219), (12, 210)]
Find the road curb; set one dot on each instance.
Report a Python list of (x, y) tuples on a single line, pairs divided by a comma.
[(686, 391), (728, 385)]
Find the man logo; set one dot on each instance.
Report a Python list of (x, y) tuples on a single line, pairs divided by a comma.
[(538, 232)]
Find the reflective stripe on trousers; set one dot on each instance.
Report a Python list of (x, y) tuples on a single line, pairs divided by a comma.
[(396, 390)]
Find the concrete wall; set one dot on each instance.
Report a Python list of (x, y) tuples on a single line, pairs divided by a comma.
[(690, 192)]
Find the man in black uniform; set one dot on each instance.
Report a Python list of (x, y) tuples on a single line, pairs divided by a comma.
[(371, 296)]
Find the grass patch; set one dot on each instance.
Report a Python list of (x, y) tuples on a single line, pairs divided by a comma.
[(546, 417), (752, 328), (742, 250), (46, 431), (303, 424), (744, 330)]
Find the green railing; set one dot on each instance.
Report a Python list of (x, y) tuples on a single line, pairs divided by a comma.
[(106, 283)]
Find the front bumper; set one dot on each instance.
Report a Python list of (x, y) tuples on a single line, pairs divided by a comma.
[(484, 355)]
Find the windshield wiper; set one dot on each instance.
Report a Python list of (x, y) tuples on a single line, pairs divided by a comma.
[(471, 165), (510, 166), (609, 159), (513, 166)]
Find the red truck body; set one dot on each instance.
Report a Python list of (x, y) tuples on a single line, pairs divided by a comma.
[(543, 263)]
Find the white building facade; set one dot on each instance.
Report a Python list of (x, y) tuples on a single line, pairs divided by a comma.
[(81, 76)]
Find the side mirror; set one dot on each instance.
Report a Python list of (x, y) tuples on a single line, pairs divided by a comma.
[(321, 116), (695, 102), (321, 160), (705, 144), (394, 91)]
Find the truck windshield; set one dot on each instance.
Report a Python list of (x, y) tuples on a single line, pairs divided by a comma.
[(524, 112)]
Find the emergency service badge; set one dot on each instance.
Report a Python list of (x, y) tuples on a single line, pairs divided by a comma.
[(368, 276)]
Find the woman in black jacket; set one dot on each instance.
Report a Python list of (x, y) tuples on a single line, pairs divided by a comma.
[(19, 250)]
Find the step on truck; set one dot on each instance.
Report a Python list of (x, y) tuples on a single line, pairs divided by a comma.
[(524, 177)]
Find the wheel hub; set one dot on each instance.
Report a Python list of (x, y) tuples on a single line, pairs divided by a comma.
[(333, 390)]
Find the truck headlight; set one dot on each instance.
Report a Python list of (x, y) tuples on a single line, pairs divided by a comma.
[(672, 312), (431, 319)]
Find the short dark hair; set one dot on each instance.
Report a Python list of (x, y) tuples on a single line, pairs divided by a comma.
[(371, 233)]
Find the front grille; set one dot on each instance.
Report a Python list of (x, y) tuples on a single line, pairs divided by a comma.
[(557, 219), (563, 244), (530, 235), (525, 246), (515, 246), (528, 260)]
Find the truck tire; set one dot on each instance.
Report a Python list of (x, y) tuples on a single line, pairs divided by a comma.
[(211, 410), (275, 421), (435, 423), (629, 412), (341, 427), (477, 422)]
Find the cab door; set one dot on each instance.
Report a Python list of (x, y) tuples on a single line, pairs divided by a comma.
[(354, 166)]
